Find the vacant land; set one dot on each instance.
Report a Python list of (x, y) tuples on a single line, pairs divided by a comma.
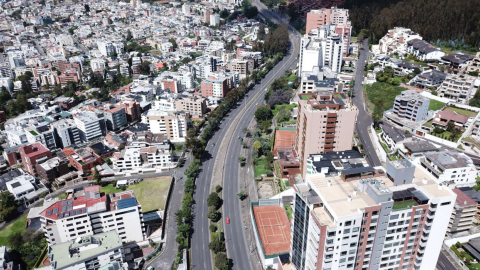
[(16, 227), (260, 166), (265, 189), (152, 193), (385, 93)]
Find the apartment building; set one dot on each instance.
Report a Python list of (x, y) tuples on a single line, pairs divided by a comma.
[(172, 124), (212, 87), (194, 105), (412, 106), (372, 222), (90, 125), (395, 41), (87, 252), (459, 88), (115, 117), (335, 16), (66, 133), (433, 78), (31, 154), (450, 166), (463, 214), (456, 61), (132, 109), (83, 159), (325, 124), (322, 48), (64, 78), (41, 132), (94, 213), (145, 158), (52, 168)]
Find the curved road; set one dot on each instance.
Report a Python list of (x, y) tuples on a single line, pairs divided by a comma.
[(237, 248)]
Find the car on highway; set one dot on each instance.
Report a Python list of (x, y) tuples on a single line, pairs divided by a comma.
[(213, 144), (227, 220), (150, 268)]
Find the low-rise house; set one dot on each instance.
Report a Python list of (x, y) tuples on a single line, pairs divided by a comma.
[(432, 78), (442, 118), (424, 50), (456, 61), (474, 195), (405, 68), (52, 168), (415, 149), (393, 137), (84, 159)]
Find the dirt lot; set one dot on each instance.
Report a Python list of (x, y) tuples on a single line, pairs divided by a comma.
[(265, 189)]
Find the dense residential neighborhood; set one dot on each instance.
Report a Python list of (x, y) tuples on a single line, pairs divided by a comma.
[(230, 134)]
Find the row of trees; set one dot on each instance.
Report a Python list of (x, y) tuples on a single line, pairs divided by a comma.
[(455, 21)]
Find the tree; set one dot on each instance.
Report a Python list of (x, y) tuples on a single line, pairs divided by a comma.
[(450, 126), (145, 68), (8, 206), (129, 35), (261, 32), (263, 113), (214, 200), (16, 241), (217, 245), (70, 31), (257, 146), (221, 260), (213, 228), (174, 43), (283, 116), (241, 195), (438, 130), (213, 214), (270, 157), (97, 177), (241, 160), (87, 8), (218, 188)]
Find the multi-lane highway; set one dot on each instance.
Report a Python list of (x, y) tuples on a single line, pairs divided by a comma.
[(237, 248)]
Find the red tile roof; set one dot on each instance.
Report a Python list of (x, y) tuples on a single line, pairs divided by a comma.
[(462, 199)]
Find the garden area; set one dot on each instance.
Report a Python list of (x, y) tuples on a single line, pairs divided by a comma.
[(262, 166), (460, 111), (451, 132), (464, 256)]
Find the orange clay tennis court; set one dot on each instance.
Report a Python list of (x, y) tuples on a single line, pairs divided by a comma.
[(273, 228)]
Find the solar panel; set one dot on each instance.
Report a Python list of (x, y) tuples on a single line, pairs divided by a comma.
[(70, 207), (72, 213), (70, 201), (55, 211), (126, 203), (84, 210), (79, 211), (64, 209), (64, 202), (66, 214), (49, 212), (60, 215)]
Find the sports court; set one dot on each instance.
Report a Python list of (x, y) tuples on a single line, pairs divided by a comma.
[(273, 228)]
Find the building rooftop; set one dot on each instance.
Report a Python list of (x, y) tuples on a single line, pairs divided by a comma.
[(420, 146), (69, 253), (463, 200), (450, 160)]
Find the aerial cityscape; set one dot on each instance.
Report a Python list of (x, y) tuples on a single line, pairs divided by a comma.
[(240, 134)]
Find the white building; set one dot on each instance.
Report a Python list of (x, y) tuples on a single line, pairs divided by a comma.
[(214, 19), (64, 40), (89, 125), (424, 50), (373, 223), (145, 158), (395, 41), (172, 124), (67, 132), (323, 49), (21, 185), (108, 48), (186, 9), (450, 166), (7, 82), (92, 214), (87, 252), (97, 64)]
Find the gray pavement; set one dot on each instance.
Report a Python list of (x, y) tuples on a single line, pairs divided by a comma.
[(364, 120)]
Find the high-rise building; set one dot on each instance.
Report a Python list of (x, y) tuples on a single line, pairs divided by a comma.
[(325, 124), (94, 213), (66, 133), (372, 220), (323, 49), (450, 166), (132, 109), (115, 117), (173, 124)]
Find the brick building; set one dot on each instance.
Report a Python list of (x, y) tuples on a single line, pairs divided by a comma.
[(33, 153)]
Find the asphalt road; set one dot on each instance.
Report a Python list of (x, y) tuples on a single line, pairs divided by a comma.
[(364, 120), (201, 257), (238, 250), (443, 263)]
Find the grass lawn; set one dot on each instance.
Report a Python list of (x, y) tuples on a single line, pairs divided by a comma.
[(62, 196), (460, 111), (403, 205), (429, 123), (338, 96), (378, 130), (385, 147), (16, 227), (152, 193), (277, 169), (420, 63), (305, 97), (435, 105), (382, 92), (392, 157), (292, 77), (260, 166), (153, 52), (446, 135), (289, 210)]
